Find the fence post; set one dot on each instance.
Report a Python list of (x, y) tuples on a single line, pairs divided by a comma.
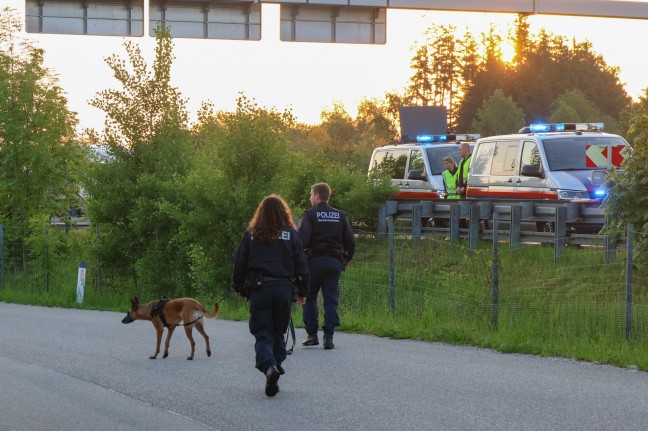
[(495, 311), (629, 251), (390, 236), (2, 262)]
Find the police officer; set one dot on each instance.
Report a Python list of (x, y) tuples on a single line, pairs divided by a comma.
[(464, 169), (329, 242), (450, 178), (269, 257)]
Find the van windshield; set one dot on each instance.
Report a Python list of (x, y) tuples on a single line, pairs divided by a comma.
[(436, 155), (583, 152)]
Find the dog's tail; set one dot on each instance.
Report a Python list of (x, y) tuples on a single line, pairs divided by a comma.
[(213, 314)]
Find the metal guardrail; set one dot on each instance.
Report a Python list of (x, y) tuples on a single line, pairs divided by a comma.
[(568, 223)]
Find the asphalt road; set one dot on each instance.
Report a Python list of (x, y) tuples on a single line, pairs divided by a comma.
[(73, 370)]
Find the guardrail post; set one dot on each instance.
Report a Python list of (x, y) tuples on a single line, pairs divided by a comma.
[(495, 310), (560, 232), (514, 227), (629, 263), (416, 224), (382, 221), (455, 213), (473, 233)]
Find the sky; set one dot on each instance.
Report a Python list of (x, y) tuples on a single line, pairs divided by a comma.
[(308, 78)]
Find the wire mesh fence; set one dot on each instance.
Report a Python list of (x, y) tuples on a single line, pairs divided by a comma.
[(430, 284)]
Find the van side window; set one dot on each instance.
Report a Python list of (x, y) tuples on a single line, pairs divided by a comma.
[(416, 162), (531, 155), (480, 161), (392, 162), (505, 158)]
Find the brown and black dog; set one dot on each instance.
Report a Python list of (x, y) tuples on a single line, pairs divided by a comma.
[(170, 313)]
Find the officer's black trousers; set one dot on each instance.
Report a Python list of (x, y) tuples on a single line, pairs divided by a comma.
[(325, 276), (270, 308)]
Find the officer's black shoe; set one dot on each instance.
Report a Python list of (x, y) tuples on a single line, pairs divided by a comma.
[(311, 340), (281, 370), (272, 377), (328, 342)]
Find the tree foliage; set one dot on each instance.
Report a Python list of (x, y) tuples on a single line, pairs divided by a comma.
[(134, 195), (627, 200), (499, 115), (40, 158)]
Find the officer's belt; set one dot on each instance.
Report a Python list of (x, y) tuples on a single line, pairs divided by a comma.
[(268, 278), (314, 254)]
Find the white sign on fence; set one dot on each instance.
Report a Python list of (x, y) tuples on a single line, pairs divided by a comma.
[(81, 278)]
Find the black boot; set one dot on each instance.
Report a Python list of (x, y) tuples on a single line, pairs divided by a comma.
[(328, 341), (272, 377), (311, 340)]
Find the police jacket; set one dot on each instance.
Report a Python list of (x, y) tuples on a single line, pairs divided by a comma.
[(326, 231), (284, 258)]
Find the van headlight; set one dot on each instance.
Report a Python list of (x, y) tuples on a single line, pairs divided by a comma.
[(569, 195)]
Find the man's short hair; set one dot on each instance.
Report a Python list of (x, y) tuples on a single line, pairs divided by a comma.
[(322, 190)]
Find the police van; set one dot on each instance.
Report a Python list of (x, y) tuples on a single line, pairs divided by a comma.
[(416, 167), (565, 162)]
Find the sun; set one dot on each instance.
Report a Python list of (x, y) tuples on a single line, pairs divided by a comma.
[(507, 51)]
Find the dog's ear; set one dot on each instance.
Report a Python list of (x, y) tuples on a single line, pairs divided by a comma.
[(135, 301)]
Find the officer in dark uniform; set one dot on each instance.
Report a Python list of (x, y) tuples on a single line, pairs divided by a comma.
[(269, 259), (329, 242)]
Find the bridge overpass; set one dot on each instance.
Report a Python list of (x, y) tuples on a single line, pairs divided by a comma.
[(331, 21)]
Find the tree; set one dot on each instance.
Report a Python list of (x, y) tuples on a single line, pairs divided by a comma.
[(574, 107), (442, 69), (498, 115), (135, 194), (545, 67), (40, 158), (627, 200)]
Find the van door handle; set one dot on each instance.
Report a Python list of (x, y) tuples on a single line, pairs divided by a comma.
[(510, 180)]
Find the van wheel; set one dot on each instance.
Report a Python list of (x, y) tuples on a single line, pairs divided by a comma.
[(546, 226)]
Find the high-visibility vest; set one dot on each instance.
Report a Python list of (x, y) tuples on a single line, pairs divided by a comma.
[(450, 183), (463, 170)]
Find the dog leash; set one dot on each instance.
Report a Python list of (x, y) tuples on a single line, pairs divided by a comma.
[(228, 293), (291, 330)]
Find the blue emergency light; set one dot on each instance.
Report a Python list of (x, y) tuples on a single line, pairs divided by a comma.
[(422, 139), (600, 193), (564, 127)]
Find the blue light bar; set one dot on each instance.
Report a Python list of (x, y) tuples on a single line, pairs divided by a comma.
[(561, 127), (446, 138)]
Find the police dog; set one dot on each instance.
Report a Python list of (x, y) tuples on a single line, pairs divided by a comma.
[(170, 313)]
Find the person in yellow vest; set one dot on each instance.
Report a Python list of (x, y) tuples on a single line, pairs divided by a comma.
[(450, 178), (464, 166)]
